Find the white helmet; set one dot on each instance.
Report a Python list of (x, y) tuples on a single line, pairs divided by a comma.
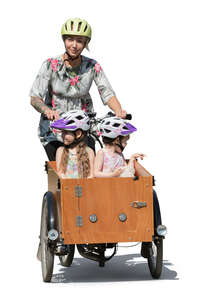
[(112, 127), (73, 120)]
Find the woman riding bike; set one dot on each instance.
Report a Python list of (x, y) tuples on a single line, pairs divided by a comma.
[(63, 83)]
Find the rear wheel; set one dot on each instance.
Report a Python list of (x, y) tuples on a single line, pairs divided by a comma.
[(47, 255), (155, 260), (66, 260)]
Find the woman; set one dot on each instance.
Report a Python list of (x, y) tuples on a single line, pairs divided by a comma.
[(63, 83)]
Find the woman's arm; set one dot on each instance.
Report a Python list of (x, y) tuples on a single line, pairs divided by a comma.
[(98, 165), (41, 107), (39, 89), (115, 105), (106, 92)]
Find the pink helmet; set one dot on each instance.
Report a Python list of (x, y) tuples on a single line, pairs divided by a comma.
[(113, 127), (73, 120)]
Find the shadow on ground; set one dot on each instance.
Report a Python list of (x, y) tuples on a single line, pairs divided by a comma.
[(130, 267)]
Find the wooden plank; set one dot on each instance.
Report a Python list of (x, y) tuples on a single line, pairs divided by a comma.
[(70, 211), (53, 187), (140, 170), (107, 198)]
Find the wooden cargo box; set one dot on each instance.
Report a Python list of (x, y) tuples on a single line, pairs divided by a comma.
[(104, 210)]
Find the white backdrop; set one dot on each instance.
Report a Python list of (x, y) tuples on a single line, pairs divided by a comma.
[(150, 53)]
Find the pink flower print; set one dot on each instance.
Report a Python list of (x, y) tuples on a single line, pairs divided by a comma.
[(53, 103), (98, 133), (74, 80), (99, 92), (54, 64), (106, 159), (98, 68), (84, 107)]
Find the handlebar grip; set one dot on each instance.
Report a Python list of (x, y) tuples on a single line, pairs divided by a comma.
[(128, 116), (92, 114)]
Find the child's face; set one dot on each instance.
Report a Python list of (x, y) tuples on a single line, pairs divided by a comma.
[(124, 141), (68, 137)]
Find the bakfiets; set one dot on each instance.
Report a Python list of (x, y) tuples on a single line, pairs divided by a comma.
[(97, 214)]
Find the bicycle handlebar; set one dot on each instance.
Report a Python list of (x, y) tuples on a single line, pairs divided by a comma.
[(109, 114), (128, 116)]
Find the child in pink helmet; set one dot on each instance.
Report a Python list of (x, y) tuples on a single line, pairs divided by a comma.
[(74, 159), (109, 161)]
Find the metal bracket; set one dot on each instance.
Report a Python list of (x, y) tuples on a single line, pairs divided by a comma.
[(138, 204), (79, 221), (78, 191), (153, 183)]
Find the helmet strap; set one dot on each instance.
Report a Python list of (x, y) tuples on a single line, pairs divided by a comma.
[(120, 145)]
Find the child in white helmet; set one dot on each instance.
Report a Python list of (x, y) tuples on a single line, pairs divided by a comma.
[(75, 159), (109, 161)]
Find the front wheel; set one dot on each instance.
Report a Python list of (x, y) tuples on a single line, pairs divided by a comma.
[(66, 260), (47, 255), (155, 260)]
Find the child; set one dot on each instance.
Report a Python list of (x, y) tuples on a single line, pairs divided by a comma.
[(75, 159), (109, 161)]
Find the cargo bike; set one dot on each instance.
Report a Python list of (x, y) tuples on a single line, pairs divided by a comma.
[(98, 213)]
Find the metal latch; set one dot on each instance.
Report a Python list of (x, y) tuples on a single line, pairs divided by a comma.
[(138, 204), (79, 221), (78, 191)]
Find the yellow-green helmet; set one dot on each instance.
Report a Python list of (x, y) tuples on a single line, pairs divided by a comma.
[(76, 26)]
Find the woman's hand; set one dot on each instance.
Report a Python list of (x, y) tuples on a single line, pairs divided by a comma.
[(121, 114), (115, 105), (51, 114)]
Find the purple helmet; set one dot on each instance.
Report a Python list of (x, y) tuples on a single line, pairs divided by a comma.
[(113, 127), (73, 120)]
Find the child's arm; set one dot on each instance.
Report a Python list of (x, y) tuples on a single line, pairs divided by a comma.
[(91, 159), (58, 160), (98, 164), (135, 156)]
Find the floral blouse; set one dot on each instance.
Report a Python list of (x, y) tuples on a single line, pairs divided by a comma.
[(72, 166), (113, 161), (64, 89)]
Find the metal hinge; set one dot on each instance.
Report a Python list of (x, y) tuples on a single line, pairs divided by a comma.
[(153, 181), (79, 221), (78, 191), (138, 204)]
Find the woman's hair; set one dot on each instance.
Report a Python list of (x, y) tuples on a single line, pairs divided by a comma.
[(82, 159)]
